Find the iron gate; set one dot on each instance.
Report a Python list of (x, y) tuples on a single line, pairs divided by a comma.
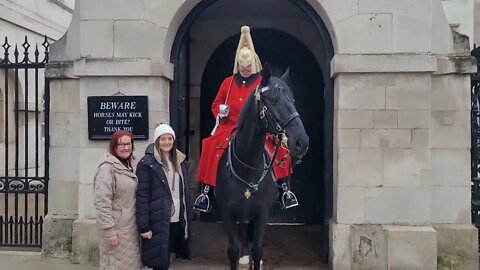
[(475, 137), (24, 141)]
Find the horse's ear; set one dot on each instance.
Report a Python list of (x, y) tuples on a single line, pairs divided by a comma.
[(286, 78), (266, 74)]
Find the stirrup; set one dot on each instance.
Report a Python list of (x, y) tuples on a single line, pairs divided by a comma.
[(202, 203), (291, 198)]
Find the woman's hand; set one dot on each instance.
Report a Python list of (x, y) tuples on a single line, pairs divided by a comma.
[(112, 240), (147, 235)]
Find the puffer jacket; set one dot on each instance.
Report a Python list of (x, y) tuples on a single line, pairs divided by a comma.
[(115, 188), (154, 202)]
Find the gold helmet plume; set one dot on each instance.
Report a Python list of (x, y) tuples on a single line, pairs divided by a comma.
[(246, 54)]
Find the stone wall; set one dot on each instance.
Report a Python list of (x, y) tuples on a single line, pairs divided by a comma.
[(401, 116), (35, 18), (476, 23), (459, 14)]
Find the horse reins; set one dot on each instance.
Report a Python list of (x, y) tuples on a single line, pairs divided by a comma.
[(254, 186), (279, 133)]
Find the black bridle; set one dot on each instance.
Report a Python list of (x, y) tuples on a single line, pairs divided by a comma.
[(276, 127), (270, 125)]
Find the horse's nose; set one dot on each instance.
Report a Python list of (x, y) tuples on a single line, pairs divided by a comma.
[(301, 146)]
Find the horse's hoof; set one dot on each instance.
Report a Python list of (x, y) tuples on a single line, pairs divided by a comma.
[(244, 263)]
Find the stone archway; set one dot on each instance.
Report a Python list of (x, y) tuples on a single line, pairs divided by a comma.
[(318, 40), (205, 27)]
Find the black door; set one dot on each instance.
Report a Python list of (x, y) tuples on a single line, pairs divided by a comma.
[(280, 51)]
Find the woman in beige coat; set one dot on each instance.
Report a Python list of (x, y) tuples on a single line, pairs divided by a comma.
[(115, 195)]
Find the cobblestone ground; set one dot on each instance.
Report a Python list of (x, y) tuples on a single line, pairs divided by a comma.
[(285, 247), (10, 260)]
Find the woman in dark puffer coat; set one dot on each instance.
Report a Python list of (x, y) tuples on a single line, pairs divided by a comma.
[(163, 207)]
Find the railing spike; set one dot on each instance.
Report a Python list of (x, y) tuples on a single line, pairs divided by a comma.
[(26, 47), (6, 47), (15, 53), (36, 53), (46, 46)]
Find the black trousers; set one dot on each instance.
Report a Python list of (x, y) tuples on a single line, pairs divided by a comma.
[(175, 240), (176, 237)]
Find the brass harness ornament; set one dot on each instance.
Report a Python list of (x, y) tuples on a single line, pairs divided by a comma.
[(247, 194)]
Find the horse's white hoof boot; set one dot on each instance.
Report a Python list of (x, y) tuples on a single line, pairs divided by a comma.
[(244, 263)]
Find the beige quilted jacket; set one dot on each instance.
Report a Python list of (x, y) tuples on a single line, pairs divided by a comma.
[(115, 189)]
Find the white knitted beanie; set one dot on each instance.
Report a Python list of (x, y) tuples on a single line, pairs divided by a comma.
[(163, 129)]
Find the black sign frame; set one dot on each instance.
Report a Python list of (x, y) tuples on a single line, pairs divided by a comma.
[(107, 114)]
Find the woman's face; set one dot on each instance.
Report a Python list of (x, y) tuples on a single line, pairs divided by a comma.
[(245, 71), (165, 142), (124, 147)]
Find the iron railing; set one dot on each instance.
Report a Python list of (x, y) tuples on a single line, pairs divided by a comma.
[(24, 143)]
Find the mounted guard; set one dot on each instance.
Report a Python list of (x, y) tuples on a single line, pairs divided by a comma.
[(226, 108)]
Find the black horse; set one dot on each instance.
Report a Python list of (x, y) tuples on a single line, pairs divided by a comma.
[(246, 187)]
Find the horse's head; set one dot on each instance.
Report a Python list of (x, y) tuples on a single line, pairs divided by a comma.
[(279, 114)]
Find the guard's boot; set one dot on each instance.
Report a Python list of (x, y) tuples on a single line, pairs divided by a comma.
[(289, 199), (202, 202)]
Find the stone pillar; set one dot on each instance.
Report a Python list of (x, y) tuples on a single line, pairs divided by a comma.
[(64, 145), (113, 52), (402, 148), (449, 172), (71, 219), (476, 23), (382, 247), (63, 184), (382, 133)]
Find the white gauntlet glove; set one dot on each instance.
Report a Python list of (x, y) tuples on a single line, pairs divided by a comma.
[(221, 115), (224, 111)]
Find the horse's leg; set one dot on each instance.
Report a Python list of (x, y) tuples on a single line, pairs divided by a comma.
[(244, 262), (257, 246), (232, 251)]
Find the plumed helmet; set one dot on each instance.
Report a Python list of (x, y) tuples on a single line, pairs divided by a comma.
[(246, 54)]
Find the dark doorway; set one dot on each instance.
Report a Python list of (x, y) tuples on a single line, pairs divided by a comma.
[(280, 51)]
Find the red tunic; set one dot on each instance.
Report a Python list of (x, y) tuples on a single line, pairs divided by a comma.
[(213, 146)]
